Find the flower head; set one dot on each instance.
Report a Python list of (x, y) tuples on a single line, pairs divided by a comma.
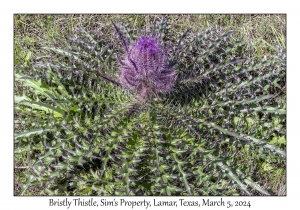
[(147, 44), (144, 68)]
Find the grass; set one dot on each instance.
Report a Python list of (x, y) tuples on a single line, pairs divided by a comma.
[(33, 31)]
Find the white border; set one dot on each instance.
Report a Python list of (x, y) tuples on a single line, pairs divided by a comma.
[(8, 201)]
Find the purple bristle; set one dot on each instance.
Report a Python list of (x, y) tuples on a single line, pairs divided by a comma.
[(144, 68)]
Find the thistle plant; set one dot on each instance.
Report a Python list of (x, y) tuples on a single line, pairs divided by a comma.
[(152, 113)]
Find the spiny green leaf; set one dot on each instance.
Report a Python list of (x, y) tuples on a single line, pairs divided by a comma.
[(32, 132), (57, 112)]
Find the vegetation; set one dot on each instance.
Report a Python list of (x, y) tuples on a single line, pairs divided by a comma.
[(98, 113)]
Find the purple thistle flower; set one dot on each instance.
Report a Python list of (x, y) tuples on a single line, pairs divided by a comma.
[(147, 44), (144, 68)]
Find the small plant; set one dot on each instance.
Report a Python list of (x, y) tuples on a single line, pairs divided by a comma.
[(151, 114)]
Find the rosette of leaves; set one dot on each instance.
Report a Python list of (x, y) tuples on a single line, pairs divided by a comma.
[(209, 113)]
